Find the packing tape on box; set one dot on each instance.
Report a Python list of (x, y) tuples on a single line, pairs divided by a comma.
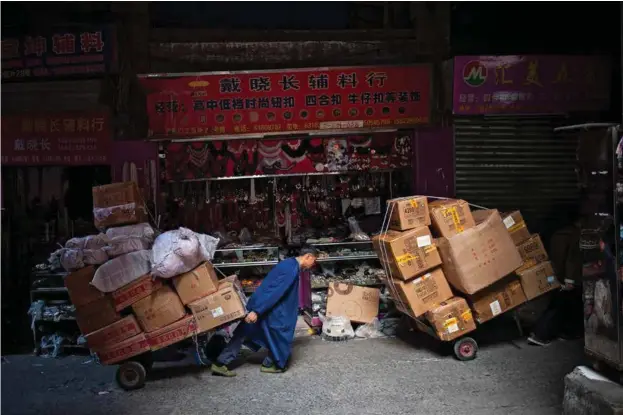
[(517, 226), (401, 259), (454, 214)]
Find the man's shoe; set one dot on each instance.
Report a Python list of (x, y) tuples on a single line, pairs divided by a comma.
[(271, 369), (218, 370), (536, 341)]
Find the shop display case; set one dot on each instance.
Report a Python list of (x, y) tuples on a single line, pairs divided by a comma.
[(249, 263), (600, 173)]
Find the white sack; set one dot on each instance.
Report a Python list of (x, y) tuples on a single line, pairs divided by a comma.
[(179, 251), (94, 256), (124, 245), (88, 242), (121, 271), (141, 230), (71, 259)]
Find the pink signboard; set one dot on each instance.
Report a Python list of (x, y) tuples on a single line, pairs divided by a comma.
[(530, 84)]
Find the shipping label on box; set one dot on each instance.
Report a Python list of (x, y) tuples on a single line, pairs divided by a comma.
[(408, 213), (159, 309), (198, 283), (125, 328), (78, 284), (216, 309), (358, 304), (95, 315), (172, 333), (137, 290), (538, 280), (422, 293), (533, 249), (451, 217), (451, 319), (516, 226), (124, 350), (497, 299)]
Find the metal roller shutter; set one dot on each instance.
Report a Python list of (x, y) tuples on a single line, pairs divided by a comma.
[(514, 162)]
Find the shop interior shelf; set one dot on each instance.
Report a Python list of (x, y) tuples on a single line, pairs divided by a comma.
[(244, 264), (341, 243), (347, 258), (49, 290)]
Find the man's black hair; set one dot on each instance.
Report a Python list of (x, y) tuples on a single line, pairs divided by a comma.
[(308, 249)]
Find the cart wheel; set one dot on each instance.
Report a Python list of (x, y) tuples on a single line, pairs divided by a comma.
[(466, 349), (131, 375)]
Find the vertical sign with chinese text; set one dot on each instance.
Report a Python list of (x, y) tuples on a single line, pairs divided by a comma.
[(61, 53), (530, 84), (288, 100), (56, 139)]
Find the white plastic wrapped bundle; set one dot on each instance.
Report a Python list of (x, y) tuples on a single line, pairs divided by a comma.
[(603, 303), (71, 259), (337, 328), (121, 245), (140, 230), (121, 271), (88, 242), (94, 256), (179, 251)]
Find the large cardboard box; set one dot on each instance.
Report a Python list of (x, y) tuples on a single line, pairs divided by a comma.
[(496, 299), (95, 315), (451, 319), (423, 293), (480, 256), (216, 309), (407, 253), (116, 332), (358, 304), (172, 333), (159, 309), (533, 248), (538, 280), (124, 350), (516, 226), (198, 283), (78, 284), (118, 204), (451, 217), (136, 290), (408, 213)]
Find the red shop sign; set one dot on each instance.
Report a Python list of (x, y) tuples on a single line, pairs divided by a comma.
[(292, 101), (73, 138)]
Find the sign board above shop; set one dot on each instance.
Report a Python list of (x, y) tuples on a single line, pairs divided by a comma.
[(287, 101), (530, 84), (62, 139), (61, 53)]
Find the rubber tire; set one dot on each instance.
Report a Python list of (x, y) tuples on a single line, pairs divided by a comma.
[(466, 349), (134, 369)]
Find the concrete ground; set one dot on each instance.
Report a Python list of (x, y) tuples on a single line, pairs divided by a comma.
[(385, 376)]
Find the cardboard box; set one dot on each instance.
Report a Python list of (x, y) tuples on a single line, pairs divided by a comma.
[(78, 284), (172, 333), (216, 309), (116, 194), (516, 226), (407, 253), (451, 217), (538, 280), (124, 350), (421, 294), (451, 319), (159, 309), (96, 314), (136, 290), (358, 304), (480, 256), (533, 249), (408, 213), (115, 333), (496, 299), (196, 284)]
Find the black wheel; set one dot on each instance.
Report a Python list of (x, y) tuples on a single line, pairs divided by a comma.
[(466, 349), (131, 375)]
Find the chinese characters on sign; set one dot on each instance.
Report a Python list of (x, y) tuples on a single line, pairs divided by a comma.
[(59, 139), (530, 84), (64, 53), (288, 101)]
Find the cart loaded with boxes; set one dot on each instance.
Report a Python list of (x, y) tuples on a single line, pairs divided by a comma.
[(449, 269), (125, 307)]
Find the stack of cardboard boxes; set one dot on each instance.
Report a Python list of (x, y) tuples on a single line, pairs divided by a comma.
[(475, 253), (147, 314)]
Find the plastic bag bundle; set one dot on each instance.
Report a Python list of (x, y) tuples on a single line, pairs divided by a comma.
[(603, 303), (141, 230), (179, 251), (121, 245), (355, 230), (94, 256), (71, 259), (337, 328), (370, 331), (121, 271), (88, 242)]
